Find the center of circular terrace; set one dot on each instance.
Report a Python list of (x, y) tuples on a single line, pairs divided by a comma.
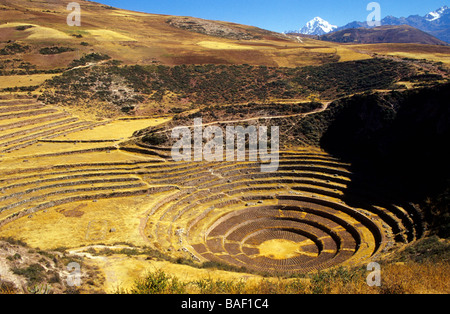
[(280, 249)]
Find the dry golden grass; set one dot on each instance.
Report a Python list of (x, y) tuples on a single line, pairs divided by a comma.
[(396, 279), (92, 227), (223, 45), (415, 278), (413, 51), (115, 130), (108, 35), (283, 249), (24, 80), (347, 54), (135, 37)]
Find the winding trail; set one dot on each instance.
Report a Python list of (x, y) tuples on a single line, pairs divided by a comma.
[(303, 115)]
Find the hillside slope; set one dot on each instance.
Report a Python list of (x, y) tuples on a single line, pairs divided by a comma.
[(141, 38)]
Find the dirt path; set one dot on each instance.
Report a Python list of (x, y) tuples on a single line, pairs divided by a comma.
[(90, 64), (324, 107)]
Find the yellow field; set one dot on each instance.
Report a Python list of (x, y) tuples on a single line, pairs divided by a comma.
[(222, 45), (38, 32), (24, 80), (108, 35), (414, 51), (115, 130)]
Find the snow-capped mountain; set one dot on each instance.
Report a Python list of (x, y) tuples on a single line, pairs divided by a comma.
[(435, 15), (436, 23), (317, 26)]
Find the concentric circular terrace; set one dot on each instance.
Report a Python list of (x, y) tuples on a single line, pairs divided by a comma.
[(297, 219), (291, 220)]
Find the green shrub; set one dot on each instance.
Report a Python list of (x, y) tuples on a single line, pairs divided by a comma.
[(323, 281), (154, 139), (34, 273), (92, 57), (158, 282), (54, 50), (24, 27), (13, 48)]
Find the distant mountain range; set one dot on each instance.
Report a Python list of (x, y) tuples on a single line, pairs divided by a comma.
[(383, 34), (436, 23)]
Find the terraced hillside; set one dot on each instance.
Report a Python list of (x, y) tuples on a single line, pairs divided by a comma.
[(293, 220), (26, 122), (86, 168), (89, 191)]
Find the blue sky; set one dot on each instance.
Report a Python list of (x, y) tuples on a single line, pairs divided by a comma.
[(278, 15)]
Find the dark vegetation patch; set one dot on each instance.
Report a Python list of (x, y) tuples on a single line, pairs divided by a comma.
[(54, 50), (428, 250), (218, 84), (14, 48), (24, 27), (89, 58), (211, 28)]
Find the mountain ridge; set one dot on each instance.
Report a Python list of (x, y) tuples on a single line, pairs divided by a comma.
[(383, 34), (435, 23)]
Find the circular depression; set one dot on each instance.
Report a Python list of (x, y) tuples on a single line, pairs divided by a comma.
[(280, 238)]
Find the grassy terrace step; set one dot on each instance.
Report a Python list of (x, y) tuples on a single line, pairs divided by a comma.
[(6, 109), (29, 122), (251, 167), (96, 166), (65, 179), (16, 102), (28, 138), (165, 152), (202, 179), (69, 191), (68, 172), (37, 188), (28, 113), (54, 177), (83, 197), (85, 126), (44, 126), (65, 153), (241, 187), (146, 151)]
